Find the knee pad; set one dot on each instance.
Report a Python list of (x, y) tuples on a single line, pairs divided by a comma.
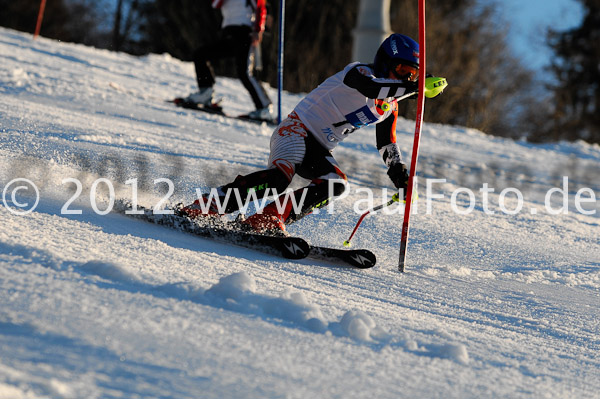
[(338, 188), (334, 187)]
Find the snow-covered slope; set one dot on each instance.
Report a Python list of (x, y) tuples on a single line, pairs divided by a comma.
[(102, 306)]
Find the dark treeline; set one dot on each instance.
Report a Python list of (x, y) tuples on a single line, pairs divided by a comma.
[(490, 89), (575, 111)]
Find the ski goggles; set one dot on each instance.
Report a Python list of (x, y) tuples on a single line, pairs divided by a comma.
[(406, 72)]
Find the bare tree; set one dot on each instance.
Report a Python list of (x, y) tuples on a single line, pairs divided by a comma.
[(575, 98)]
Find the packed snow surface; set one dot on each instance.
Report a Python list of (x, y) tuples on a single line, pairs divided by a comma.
[(501, 295)]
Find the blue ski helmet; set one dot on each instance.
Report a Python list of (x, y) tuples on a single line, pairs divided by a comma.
[(396, 50)]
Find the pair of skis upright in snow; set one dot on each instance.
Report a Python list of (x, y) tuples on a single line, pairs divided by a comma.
[(287, 247)]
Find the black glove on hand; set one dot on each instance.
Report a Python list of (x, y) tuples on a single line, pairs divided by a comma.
[(398, 174), (414, 87)]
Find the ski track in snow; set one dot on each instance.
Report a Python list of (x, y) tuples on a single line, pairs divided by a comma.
[(104, 306)]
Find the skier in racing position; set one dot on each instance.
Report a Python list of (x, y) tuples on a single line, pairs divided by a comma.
[(359, 95), (242, 29)]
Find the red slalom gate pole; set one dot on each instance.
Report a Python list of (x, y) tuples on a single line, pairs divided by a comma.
[(417, 139), (38, 25)]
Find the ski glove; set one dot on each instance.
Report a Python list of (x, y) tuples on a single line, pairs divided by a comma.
[(398, 174)]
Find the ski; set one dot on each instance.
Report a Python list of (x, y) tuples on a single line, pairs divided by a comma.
[(216, 109), (359, 258), (287, 247)]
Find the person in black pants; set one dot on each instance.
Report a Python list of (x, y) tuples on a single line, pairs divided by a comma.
[(242, 29)]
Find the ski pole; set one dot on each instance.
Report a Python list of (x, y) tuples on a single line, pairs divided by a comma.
[(281, 59), (395, 198)]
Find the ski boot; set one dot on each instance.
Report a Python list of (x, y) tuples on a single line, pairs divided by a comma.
[(208, 208), (264, 114), (269, 222), (203, 97)]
